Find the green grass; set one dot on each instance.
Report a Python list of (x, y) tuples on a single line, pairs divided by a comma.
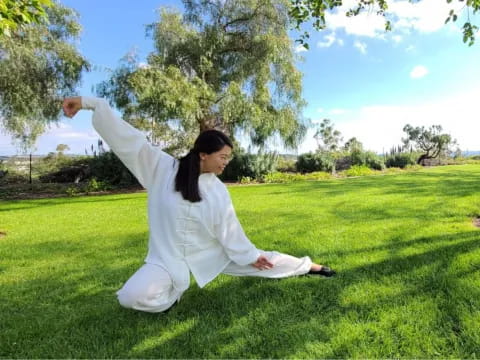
[(407, 255)]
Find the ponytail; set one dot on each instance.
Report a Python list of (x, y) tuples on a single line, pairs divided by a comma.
[(186, 180)]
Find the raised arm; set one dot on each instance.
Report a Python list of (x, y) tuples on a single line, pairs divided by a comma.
[(128, 143)]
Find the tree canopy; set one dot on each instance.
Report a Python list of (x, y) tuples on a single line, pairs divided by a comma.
[(16, 13), (225, 64), (327, 137), (430, 141), (39, 66), (314, 11)]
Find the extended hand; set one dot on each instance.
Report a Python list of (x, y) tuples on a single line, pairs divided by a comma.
[(71, 106), (262, 263)]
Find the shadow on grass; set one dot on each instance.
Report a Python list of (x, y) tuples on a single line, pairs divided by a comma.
[(74, 313)]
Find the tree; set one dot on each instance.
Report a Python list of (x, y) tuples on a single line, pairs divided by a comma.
[(353, 145), (328, 139), (303, 11), (226, 64), (15, 14), (61, 148), (431, 141), (38, 67)]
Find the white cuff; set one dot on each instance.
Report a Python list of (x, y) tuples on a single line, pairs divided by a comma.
[(89, 103)]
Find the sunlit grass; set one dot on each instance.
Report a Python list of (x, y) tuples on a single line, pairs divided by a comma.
[(407, 255)]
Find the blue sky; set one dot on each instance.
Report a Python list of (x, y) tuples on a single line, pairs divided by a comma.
[(367, 82)]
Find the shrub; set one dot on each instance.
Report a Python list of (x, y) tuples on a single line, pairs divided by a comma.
[(359, 170), (68, 174), (318, 161), (367, 158), (286, 165), (246, 180), (14, 177), (401, 160), (318, 175), (93, 186), (278, 177), (105, 168), (254, 166)]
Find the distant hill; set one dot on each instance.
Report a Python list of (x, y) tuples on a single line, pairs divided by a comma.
[(470, 153)]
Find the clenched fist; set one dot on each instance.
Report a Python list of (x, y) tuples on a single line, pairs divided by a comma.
[(71, 106)]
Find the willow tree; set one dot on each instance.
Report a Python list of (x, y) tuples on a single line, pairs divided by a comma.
[(224, 64), (39, 65)]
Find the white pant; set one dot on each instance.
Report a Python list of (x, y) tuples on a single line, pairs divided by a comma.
[(150, 288)]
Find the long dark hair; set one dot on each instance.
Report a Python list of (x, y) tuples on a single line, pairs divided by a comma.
[(186, 181)]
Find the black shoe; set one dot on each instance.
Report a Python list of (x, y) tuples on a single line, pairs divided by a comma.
[(324, 271)]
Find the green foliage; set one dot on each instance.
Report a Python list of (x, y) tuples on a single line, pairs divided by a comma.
[(279, 177), (317, 175), (16, 14), (227, 64), (13, 177), (367, 158), (93, 185), (107, 167), (285, 164), (253, 166), (102, 169), (317, 161), (246, 180), (304, 11), (431, 141), (401, 160), (358, 170), (328, 139), (39, 66)]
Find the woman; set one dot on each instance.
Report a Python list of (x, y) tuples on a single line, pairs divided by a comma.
[(193, 226)]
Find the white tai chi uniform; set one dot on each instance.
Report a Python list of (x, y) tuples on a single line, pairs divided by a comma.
[(204, 238)]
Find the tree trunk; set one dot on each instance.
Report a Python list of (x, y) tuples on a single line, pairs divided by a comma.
[(423, 158)]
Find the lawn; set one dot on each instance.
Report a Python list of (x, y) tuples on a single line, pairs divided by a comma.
[(406, 252)]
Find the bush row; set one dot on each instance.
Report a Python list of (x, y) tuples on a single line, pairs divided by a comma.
[(107, 170)]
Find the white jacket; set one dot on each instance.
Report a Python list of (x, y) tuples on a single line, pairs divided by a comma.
[(202, 237)]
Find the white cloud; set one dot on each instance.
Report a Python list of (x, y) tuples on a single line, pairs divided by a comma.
[(397, 38), (418, 71), (320, 110), (379, 127), (364, 24), (329, 40), (337, 111), (300, 48), (406, 17), (424, 16), (65, 133), (361, 46)]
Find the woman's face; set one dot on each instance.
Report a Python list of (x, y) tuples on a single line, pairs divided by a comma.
[(215, 162)]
